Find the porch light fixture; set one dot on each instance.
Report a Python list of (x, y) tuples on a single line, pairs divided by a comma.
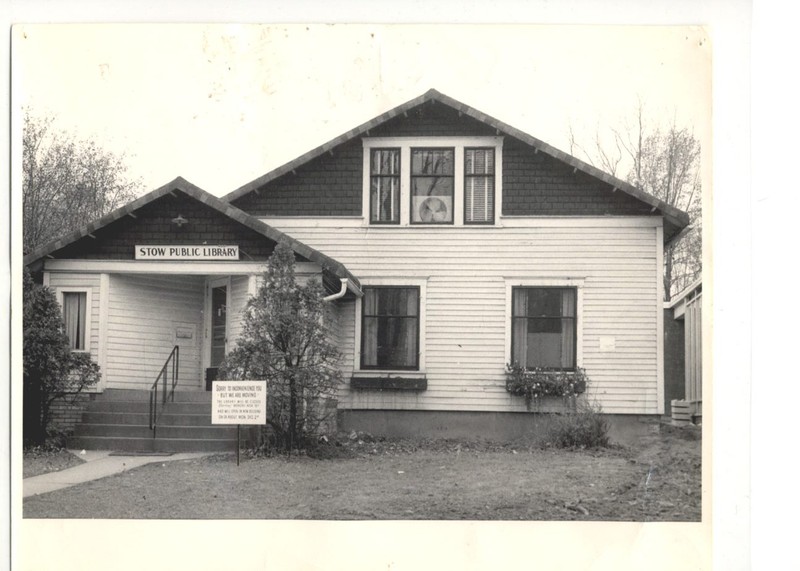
[(179, 220)]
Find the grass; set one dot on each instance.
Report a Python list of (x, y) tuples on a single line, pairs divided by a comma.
[(657, 480), (37, 461)]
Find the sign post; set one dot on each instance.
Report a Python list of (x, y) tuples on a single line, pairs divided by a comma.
[(239, 402)]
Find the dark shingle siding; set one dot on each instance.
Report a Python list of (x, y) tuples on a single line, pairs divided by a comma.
[(538, 184), (153, 225)]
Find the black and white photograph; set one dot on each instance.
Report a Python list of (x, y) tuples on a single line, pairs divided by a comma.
[(331, 274)]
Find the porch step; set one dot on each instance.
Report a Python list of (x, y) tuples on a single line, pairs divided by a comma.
[(119, 419)]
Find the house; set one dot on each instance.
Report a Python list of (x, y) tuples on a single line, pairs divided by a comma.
[(450, 244)]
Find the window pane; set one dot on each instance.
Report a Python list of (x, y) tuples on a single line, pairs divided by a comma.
[(479, 161), (390, 328), (75, 319), (479, 199), (543, 329), (432, 161)]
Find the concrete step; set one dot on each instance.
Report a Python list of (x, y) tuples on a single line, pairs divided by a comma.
[(122, 444), (162, 431), (136, 406), (181, 395)]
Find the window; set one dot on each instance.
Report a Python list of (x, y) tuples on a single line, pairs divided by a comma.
[(74, 308), (385, 186), (543, 330), (432, 178), (479, 186), (430, 181), (390, 328)]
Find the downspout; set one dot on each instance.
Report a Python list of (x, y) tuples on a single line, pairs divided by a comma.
[(340, 293)]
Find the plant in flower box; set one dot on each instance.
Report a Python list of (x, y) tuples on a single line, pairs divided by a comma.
[(533, 383)]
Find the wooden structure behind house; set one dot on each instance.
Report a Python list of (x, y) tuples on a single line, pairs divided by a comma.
[(684, 348)]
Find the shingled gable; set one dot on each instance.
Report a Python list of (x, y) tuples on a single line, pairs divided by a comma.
[(675, 220), (329, 265)]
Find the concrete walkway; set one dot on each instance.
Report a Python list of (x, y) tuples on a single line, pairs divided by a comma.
[(98, 464)]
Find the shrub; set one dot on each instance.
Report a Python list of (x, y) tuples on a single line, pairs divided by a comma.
[(50, 369), (284, 342), (583, 427)]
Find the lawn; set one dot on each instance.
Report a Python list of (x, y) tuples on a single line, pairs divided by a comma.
[(659, 479), (38, 461)]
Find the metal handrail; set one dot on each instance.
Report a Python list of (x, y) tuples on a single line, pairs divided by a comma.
[(155, 414)]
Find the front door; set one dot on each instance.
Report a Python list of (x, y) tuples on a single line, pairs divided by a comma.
[(217, 327)]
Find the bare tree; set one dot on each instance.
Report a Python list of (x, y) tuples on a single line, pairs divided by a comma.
[(665, 163), (66, 182)]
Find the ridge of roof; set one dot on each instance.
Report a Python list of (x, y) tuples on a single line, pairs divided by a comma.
[(225, 208), (674, 215)]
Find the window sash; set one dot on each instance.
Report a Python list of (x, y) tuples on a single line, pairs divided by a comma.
[(544, 339), (390, 328), (74, 314)]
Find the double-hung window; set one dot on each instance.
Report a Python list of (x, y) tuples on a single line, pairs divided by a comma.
[(479, 186), (432, 183), (390, 328), (543, 329), (74, 305), (384, 186)]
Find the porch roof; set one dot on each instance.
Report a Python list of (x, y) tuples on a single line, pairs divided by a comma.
[(332, 268)]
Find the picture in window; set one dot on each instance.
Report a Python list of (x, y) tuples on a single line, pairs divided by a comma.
[(390, 328), (543, 328), (432, 183)]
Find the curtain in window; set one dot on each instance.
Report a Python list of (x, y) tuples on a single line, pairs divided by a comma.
[(369, 345), (75, 319), (520, 334), (568, 328)]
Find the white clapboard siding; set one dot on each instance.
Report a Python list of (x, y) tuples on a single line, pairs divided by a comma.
[(76, 280), (144, 312), (238, 299), (466, 271)]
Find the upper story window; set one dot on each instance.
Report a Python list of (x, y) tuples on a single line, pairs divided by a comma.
[(432, 179), (452, 181), (384, 190)]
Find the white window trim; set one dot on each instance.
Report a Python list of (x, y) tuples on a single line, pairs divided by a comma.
[(422, 284), (87, 334), (577, 283), (405, 144)]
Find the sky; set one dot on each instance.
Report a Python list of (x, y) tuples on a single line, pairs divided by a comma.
[(221, 105)]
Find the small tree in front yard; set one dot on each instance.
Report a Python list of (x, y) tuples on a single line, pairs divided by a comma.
[(50, 369), (284, 341)]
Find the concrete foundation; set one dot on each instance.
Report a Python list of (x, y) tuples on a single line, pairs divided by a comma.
[(491, 426)]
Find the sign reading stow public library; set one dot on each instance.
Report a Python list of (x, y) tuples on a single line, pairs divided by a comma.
[(201, 252), (239, 402)]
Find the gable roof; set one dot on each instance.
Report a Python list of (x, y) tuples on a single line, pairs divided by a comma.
[(675, 219), (327, 263)]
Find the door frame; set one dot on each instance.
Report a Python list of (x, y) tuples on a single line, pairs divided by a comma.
[(212, 282)]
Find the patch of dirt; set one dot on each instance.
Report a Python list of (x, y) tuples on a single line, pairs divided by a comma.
[(37, 461), (373, 479)]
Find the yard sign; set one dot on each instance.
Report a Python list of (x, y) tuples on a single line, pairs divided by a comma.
[(239, 402)]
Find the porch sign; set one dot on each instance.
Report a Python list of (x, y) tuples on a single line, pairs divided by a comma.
[(239, 402), (201, 252)]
